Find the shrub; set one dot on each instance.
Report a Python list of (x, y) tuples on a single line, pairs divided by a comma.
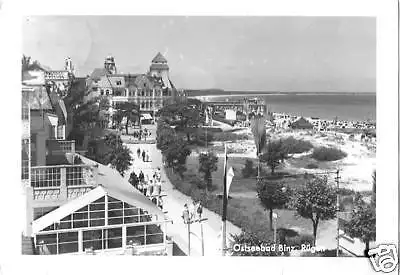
[(346, 203), (346, 192), (296, 146), (328, 154), (312, 166), (229, 136), (248, 169)]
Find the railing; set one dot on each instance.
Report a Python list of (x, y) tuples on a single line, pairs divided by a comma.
[(57, 146)]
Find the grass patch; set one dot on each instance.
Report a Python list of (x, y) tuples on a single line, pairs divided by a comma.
[(328, 154), (244, 208), (312, 166)]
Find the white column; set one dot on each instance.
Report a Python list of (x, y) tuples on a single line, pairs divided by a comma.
[(106, 210), (80, 241), (124, 236)]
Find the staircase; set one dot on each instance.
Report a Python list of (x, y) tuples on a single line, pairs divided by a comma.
[(28, 246)]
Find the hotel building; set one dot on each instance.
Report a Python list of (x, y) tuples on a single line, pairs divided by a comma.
[(74, 205)]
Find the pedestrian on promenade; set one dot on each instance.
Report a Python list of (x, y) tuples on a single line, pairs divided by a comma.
[(138, 152), (192, 210), (140, 187), (150, 189), (157, 189), (145, 185), (141, 176), (199, 210), (144, 156), (185, 214), (160, 203), (148, 156)]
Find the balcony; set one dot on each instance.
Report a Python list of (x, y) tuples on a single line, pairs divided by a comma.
[(59, 183), (60, 147)]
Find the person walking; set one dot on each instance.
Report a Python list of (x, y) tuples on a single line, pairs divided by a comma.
[(150, 188), (192, 211), (148, 156), (141, 176), (185, 214), (145, 186), (199, 210), (160, 203), (144, 156), (138, 152)]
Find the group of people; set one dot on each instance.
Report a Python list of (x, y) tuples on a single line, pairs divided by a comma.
[(143, 154), (149, 185), (192, 213), (142, 134)]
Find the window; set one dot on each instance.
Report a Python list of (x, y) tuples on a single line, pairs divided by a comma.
[(102, 238), (25, 159), (33, 149), (75, 176), (46, 177), (60, 132), (52, 130), (58, 243)]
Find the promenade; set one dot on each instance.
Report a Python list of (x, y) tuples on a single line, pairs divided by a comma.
[(173, 204)]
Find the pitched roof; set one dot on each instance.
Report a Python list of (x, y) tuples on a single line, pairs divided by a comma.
[(110, 183), (40, 99), (159, 58), (98, 73), (158, 66), (302, 123)]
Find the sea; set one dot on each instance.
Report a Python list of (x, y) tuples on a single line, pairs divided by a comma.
[(354, 107)]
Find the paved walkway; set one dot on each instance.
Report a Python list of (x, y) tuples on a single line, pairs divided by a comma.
[(173, 203)]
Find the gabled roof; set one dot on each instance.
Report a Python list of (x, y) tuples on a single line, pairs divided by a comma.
[(98, 73), (110, 183), (39, 99), (159, 58)]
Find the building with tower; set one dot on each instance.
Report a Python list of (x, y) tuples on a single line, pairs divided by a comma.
[(150, 90)]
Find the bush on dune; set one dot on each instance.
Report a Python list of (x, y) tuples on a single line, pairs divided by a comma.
[(328, 154), (296, 146)]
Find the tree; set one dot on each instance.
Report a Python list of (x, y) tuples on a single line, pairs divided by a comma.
[(176, 155), (207, 164), (275, 153), (114, 152), (272, 195), (317, 201), (259, 132), (248, 169), (165, 136), (186, 116), (130, 110), (362, 224)]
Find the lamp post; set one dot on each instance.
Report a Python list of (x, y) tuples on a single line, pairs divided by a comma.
[(337, 212), (275, 221)]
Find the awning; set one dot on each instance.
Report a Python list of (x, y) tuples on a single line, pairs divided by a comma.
[(146, 116)]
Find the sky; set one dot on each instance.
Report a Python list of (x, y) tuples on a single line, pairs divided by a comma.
[(303, 54)]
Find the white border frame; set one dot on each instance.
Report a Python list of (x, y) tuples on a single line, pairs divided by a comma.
[(387, 128)]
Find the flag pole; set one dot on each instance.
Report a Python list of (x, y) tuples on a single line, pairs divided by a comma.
[(224, 205)]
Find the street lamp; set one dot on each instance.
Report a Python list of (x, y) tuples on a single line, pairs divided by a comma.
[(275, 221), (188, 219)]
